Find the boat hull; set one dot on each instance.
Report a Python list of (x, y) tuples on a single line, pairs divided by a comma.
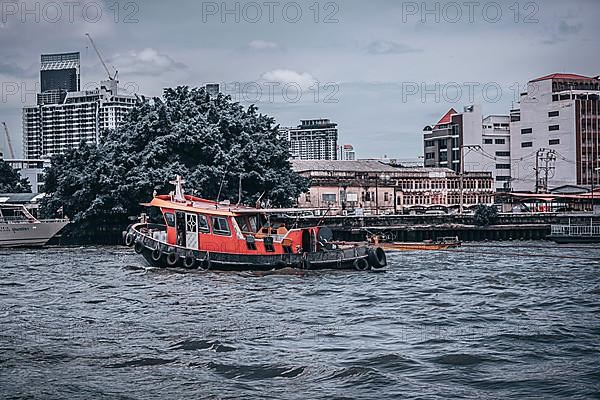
[(574, 239), (160, 254), (29, 234)]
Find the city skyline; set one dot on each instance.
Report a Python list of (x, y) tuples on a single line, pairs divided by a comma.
[(376, 94)]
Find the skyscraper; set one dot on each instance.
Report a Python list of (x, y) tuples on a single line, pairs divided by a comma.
[(64, 116)]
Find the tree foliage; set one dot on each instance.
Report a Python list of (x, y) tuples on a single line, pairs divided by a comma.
[(11, 181), (485, 215), (206, 139)]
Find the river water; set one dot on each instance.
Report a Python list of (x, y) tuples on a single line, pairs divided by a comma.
[(494, 320)]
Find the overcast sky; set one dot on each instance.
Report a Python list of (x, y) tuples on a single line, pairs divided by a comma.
[(381, 69)]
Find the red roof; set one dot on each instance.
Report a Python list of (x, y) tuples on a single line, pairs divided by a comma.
[(564, 76), (447, 118)]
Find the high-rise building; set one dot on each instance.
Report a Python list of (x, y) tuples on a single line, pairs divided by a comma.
[(50, 129), (64, 115), (60, 72), (555, 134), (313, 139), (485, 142), (346, 152)]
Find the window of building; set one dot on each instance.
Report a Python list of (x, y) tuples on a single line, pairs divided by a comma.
[(503, 154), (554, 141), (220, 226), (526, 130), (386, 196), (553, 114), (488, 141), (429, 156), (527, 144), (429, 143), (554, 97), (553, 128), (501, 178), (329, 197), (502, 166), (500, 141)]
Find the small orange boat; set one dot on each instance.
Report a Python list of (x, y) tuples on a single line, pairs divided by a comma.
[(204, 234)]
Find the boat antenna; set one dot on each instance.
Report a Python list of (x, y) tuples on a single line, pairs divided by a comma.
[(259, 199), (240, 191), (221, 185)]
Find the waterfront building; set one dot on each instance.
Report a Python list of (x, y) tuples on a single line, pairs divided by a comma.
[(346, 152), (376, 187), (314, 139), (555, 137), (485, 142)]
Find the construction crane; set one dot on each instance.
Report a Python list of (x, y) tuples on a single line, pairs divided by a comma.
[(110, 77), (8, 142)]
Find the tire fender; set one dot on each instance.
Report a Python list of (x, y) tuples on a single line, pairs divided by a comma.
[(189, 261), (138, 247), (129, 239), (172, 258), (377, 257), (361, 264)]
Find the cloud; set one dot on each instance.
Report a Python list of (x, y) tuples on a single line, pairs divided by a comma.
[(379, 47), (263, 45), (285, 76), (146, 62), (562, 32), (567, 29), (13, 70)]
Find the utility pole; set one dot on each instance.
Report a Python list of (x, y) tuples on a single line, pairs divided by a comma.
[(462, 172)]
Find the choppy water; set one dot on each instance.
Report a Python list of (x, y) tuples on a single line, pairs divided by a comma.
[(489, 322)]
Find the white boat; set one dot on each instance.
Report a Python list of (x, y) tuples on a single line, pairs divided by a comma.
[(18, 228)]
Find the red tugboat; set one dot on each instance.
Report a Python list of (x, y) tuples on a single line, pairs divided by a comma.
[(205, 234)]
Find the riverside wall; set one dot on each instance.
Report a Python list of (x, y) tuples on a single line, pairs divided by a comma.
[(408, 228)]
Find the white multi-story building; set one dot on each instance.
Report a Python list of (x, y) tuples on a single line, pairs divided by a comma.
[(485, 142), (555, 137), (346, 152), (50, 129), (314, 139)]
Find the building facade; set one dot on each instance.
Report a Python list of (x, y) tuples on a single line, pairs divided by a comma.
[(60, 72), (50, 129), (346, 152), (485, 143), (555, 137), (314, 139), (64, 115), (379, 188)]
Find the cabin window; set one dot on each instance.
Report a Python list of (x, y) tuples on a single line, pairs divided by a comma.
[(202, 223), (170, 219), (220, 226)]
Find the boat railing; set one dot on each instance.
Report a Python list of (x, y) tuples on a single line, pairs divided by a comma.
[(575, 230)]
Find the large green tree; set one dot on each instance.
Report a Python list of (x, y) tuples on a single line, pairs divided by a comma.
[(11, 181), (208, 140)]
